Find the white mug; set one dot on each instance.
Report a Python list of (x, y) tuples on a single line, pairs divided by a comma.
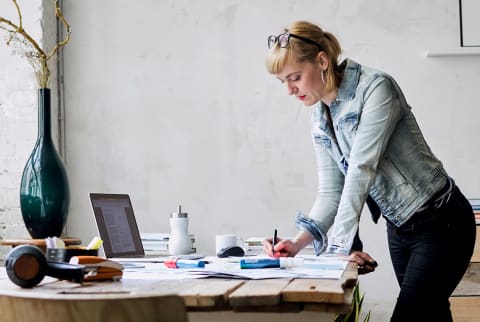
[(226, 240)]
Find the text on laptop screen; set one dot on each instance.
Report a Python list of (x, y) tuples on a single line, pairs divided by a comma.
[(117, 225)]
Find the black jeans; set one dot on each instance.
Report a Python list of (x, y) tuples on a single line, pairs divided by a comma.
[(430, 253)]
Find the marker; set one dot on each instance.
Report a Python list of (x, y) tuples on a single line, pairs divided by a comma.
[(184, 263), (95, 243), (282, 262), (289, 262)]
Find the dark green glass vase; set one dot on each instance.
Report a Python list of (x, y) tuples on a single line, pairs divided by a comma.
[(44, 190)]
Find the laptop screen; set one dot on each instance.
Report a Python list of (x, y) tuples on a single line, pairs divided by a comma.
[(117, 225)]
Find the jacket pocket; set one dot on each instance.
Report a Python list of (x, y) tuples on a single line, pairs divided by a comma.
[(349, 123), (390, 172), (323, 140)]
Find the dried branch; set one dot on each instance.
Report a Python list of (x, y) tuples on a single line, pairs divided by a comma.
[(24, 45), (19, 19), (60, 16)]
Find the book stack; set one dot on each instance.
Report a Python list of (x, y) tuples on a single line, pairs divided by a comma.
[(157, 243), (254, 246), (475, 203)]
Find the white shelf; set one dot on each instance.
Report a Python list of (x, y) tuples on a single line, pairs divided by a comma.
[(459, 51)]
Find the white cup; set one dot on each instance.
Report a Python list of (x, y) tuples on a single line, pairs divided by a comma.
[(226, 240)]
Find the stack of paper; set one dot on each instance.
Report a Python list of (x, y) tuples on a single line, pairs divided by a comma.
[(476, 208), (157, 243), (253, 245)]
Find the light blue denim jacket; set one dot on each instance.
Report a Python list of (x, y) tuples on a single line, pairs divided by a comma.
[(376, 149)]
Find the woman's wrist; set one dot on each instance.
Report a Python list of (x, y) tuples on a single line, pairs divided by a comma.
[(302, 240)]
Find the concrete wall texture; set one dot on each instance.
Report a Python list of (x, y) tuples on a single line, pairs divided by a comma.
[(170, 102), (18, 118), (18, 108)]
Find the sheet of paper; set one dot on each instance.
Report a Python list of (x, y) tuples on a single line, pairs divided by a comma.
[(315, 267)]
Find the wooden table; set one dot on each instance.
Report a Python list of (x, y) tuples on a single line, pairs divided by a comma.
[(465, 300), (214, 299)]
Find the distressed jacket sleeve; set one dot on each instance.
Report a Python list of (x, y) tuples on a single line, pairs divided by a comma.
[(330, 185), (380, 114)]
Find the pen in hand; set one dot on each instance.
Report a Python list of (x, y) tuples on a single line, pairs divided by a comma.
[(274, 240)]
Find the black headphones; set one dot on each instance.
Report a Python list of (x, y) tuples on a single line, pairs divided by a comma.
[(27, 265)]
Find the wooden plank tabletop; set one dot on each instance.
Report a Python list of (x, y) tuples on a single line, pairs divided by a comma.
[(321, 290), (470, 283), (266, 292), (206, 294)]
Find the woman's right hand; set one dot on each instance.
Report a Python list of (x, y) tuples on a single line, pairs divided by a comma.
[(287, 247), (283, 247)]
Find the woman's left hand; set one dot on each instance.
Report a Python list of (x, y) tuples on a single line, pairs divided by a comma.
[(366, 263)]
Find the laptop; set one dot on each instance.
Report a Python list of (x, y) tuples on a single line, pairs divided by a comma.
[(118, 228)]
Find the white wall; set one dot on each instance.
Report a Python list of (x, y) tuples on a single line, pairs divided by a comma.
[(170, 102)]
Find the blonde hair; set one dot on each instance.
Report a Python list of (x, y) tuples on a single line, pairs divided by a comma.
[(302, 51)]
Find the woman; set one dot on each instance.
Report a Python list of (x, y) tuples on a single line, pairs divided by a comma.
[(369, 149)]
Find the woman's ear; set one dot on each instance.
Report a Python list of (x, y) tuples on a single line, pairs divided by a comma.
[(322, 60)]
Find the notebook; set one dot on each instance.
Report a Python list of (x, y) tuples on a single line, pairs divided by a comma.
[(117, 227)]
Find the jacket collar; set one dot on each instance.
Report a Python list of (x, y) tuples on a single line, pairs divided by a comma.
[(351, 77)]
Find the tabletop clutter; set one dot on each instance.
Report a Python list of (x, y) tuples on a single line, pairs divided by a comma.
[(61, 261), (177, 242), (26, 265), (94, 266), (170, 255)]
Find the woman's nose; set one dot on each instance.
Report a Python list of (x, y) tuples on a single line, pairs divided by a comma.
[(290, 89)]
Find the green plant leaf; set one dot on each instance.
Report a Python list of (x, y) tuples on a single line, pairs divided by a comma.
[(354, 314)]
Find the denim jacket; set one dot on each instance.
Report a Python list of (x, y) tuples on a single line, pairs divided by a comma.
[(374, 148)]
